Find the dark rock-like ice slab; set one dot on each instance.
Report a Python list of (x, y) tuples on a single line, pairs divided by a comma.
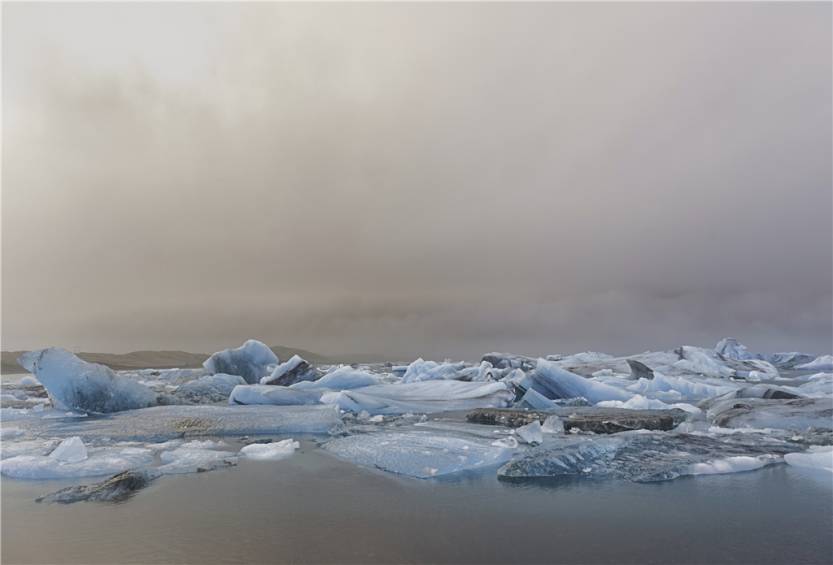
[(587, 419)]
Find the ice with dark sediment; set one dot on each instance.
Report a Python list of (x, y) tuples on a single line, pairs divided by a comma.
[(646, 456)]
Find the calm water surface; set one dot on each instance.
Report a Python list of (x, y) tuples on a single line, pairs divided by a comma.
[(313, 508)]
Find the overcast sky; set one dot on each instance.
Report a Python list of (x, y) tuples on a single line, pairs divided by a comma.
[(404, 180)]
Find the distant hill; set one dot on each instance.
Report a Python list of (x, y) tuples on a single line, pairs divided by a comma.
[(157, 359)]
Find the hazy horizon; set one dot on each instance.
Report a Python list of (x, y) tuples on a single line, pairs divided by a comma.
[(436, 180)]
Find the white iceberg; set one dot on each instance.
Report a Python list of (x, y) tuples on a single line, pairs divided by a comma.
[(250, 361), (270, 451), (821, 363), (421, 397), (639, 402), (273, 394), (74, 384)]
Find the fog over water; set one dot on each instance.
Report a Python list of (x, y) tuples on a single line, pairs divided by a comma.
[(404, 180)]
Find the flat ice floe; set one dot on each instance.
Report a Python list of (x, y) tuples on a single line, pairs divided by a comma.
[(420, 454), (162, 423)]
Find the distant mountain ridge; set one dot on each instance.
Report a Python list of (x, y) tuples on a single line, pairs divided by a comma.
[(157, 359)]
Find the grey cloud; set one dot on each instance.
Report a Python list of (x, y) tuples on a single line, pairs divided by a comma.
[(439, 179)]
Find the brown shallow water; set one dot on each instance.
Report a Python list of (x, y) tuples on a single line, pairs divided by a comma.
[(313, 508)]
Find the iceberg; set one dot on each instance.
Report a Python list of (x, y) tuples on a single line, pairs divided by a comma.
[(273, 394), (250, 361), (639, 402), (550, 380), (731, 348), (115, 489), (821, 363), (341, 378), (419, 454), (421, 397), (74, 384), (791, 414), (270, 451)]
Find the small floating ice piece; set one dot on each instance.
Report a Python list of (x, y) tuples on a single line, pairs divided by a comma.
[(71, 450), (734, 464), (193, 457), (817, 457), (531, 433), (250, 361), (270, 451), (553, 425)]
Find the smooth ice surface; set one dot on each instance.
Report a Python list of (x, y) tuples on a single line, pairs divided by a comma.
[(552, 381), (270, 451), (209, 388), (74, 384), (537, 401), (420, 454), (819, 457), (422, 397), (341, 378), (821, 363), (273, 394), (251, 361)]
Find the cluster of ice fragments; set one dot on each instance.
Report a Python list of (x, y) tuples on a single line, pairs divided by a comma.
[(727, 410)]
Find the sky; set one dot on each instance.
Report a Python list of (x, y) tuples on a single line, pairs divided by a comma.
[(403, 180)]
